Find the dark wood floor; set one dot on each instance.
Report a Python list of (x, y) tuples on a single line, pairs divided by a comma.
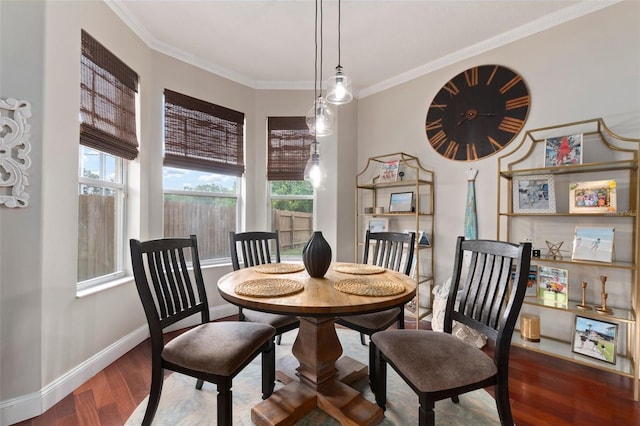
[(544, 391)]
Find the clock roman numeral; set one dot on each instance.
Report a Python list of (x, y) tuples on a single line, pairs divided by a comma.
[(511, 125), (452, 150), (451, 88), (472, 152), (520, 102), (471, 75), (434, 124), (515, 80), (495, 144), (493, 74), (439, 106), (438, 140)]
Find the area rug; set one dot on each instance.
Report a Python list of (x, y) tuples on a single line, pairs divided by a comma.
[(182, 405)]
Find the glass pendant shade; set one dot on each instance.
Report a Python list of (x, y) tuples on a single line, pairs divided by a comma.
[(339, 88), (314, 172), (320, 118)]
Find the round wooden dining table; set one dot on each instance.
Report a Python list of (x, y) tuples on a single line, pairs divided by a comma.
[(321, 375)]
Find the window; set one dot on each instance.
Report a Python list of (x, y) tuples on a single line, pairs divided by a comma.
[(108, 138), (291, 197), (203, 164)]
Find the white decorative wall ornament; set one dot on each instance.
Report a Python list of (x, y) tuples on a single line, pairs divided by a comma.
[(14, 152)]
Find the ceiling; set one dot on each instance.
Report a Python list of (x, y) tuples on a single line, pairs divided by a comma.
[(269, 44)]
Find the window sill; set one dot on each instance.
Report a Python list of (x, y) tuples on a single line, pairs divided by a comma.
[(104, 286)]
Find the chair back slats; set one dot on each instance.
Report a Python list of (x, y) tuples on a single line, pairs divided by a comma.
[(489, 294), (257, 248), (391, 250), (165, 286)]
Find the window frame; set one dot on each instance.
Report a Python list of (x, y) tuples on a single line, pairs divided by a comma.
[(121, 210)]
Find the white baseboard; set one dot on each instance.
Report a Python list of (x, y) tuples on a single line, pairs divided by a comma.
[(34, 404)]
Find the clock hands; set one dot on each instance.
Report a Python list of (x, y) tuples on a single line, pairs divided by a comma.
[(471, 114)]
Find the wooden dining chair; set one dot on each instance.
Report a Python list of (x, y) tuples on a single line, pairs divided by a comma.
[(438, 365), (257, 248), (211, 351), (391, 250)]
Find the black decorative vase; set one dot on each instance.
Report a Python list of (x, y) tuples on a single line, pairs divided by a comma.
[(316, 255)]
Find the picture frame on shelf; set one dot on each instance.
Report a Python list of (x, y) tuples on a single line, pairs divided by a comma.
[(593, 197), (553, 284), (534, 194), (377, 224), (389, 171), (401, 202), (532, 281), (595, 338), (563, 150), (593, 243)]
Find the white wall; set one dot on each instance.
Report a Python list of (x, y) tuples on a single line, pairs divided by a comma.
[(587, 68), (52, 341)]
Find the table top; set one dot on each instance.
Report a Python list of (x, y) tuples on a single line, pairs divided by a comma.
[(319, 296)]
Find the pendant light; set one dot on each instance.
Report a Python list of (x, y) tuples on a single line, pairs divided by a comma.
[(320, 118), (314, 172), (339, 86)]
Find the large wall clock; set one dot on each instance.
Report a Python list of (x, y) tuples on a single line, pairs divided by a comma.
[(477, 113)]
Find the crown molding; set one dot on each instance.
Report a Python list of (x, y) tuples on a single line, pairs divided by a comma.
[(565, 15)]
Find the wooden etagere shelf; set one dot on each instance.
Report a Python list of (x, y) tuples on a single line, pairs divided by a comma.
[(605, 156), (371, 193)]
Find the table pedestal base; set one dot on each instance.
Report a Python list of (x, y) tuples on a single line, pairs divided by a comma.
[(321, 382)]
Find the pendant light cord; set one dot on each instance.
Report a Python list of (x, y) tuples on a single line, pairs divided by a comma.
[(339, 26)]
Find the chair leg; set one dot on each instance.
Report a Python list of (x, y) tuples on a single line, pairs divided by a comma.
[(362, 339), (426, 415), (372, 365), (225, 407), (502, 402), (157, 377), (381, 379), (278, 339), (455, 399), (268, 371)]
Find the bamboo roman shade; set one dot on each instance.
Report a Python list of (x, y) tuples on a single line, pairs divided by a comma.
[(202, 136), (107, 101), (289, 145)]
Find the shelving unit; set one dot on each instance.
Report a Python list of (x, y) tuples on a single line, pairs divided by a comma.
[(605, 156), (372, 194)]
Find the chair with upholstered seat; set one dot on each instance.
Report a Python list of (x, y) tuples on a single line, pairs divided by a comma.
[(438, 365), (391, 250), (257, 248), (211, 351)]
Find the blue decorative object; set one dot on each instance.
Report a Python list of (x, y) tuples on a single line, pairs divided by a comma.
[(470, 216), (316, 255)]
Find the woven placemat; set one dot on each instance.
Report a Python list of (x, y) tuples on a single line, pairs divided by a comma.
[(359, 269), (369, 287), (278, 268), (268, 287)]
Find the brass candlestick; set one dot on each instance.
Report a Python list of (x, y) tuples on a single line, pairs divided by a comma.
[(583, 305), (602, 309)]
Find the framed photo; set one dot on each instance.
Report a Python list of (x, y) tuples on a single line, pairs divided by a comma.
[(532, 281), (595, 338), (389, 171), (593, 243), (592, 197), (553, 284), (401, 202), (563, 150), (375, 224), (534, 194)]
